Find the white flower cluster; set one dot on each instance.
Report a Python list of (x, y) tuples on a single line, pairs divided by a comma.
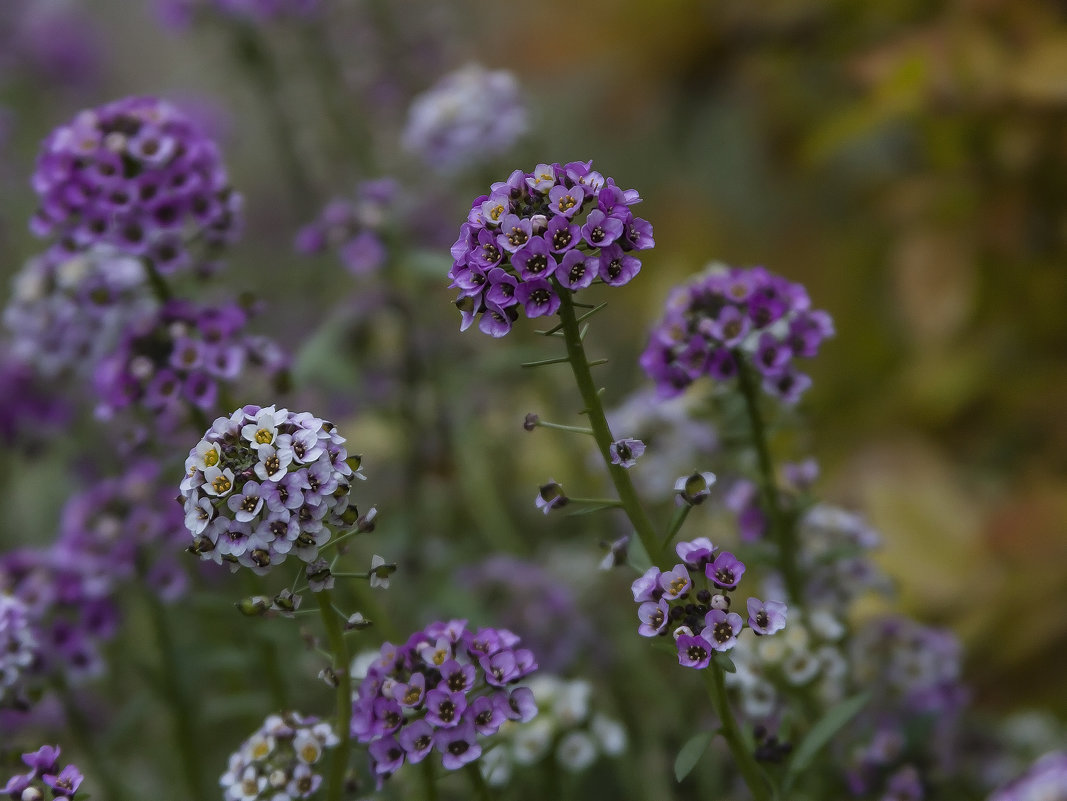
[(278, 761), (18, 647), (807, 653), (564, 727), (263, 484)]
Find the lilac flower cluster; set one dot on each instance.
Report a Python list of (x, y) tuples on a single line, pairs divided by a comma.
[(18, 648), (440, 690), (28, 411), (554, 230), (700, 620), (44, 777), (353, 228), (118, 526), (137, 175), (179, 357), (724, 315), (66, 314), (264, 483), (179, 14), (69, 609), (469, 116), (1046, 780), (278, 762)]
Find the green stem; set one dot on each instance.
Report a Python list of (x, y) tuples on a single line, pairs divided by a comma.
[(558, 427), (680, 514), (599, 423), (481, 787), (335, 634), (86, 742), (743, 756), (159, 285), (428, 780), (781, 532), (177, 696), (263, 72), (267, 655)]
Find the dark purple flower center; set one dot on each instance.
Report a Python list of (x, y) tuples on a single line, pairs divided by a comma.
[(484, 718), (723, 632), (249, 504), (696, 653), (446, 710), (273, 464), (491, 252), (567, 202), (761, 619), (517, 236), (596, 234), (260, 557), (456, 682), (614, 268), (458, 747), (577, 272), (724, 576), (540, 296), (422, 742), (657, 619), (732, 329), (624, 451), (561, 238), (392, 719), (537, 264)]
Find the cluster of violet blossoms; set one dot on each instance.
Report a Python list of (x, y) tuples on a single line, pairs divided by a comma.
[(278, 762), (440, 690), (178, 357), (556, 229), (66, 314), (700, 620), (469, 116), (353, 228), (45, 779), (264, 483), (724, 315), (138, 175)]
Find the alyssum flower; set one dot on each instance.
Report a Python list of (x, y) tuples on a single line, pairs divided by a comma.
[(700, 620), (264, 483), (443, 689), (536, 234), (279, 761), (45, 779), (138, 175), (723, 315)]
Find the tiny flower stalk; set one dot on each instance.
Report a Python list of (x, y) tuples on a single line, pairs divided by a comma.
[(782, 532), (743, 755), (598, 422), (331, 621), (481, 786)]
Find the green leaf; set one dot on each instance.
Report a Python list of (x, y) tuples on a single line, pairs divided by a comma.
[(725, 662), (822, 732), (691, 753)]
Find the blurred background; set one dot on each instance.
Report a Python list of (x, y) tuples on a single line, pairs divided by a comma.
[(906, 161)]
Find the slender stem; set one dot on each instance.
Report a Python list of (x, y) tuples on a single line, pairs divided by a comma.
[(87, 744), (332, 623), (263, 72), (781, 532), (481, 787), (160, 287), (428, 780), (680, 514), (558, 427), (267, 656), (599, 423), (177, 696), (743, 756)]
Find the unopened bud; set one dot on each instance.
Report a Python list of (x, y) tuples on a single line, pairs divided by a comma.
[(256, 606)]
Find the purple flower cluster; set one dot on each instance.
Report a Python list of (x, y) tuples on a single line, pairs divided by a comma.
[(1046, 780), (724, 315), (440, 690), (137, 175), (537, 234), (66, 314), (353, 228), (469, 116), (18, 648), (278, 762), (44, 773), (69, 609), (264, 483), (120, 525), (700, 620), (178, 357), (28, 411), (179, 14)]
